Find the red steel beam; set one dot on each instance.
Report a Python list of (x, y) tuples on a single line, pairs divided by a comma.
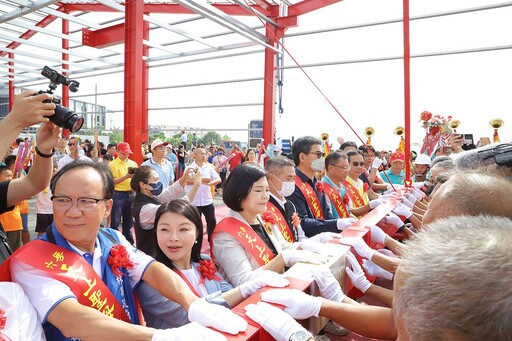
[(407, 91), (144, 86), (269, 88), (104, 37), (133, 77), (65, 67), (307, 6)]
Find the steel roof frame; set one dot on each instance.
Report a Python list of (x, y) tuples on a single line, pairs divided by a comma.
[(20, 64)]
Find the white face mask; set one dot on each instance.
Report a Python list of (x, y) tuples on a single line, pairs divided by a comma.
[(318, 164), (287, 188)]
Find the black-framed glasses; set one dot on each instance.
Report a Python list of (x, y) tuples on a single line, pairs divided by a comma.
[(318, 154), (355, 163), (342, 167), (62, 202)]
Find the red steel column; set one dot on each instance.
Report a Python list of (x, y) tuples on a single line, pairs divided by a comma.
[(407, 90), (65, 58), (269, 89), (11, 82), (145, 79), (133, 77)]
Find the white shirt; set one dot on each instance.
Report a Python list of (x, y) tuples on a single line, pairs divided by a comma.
[(194, 277), (148, 211), (45, 293), (204, 193), (43, 202), (21, 322), (68, 159)]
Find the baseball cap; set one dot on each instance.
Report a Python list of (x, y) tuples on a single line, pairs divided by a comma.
[(398, 156), (124, 147), (157, 143)]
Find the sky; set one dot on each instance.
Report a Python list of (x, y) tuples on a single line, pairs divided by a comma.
[(471, 87)]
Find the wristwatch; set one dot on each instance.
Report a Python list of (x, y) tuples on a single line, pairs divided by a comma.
[(301, 335)]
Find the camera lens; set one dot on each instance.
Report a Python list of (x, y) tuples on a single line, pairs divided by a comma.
[(67, 119)]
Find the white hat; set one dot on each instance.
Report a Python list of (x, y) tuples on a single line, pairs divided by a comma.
[(157, 143), (422, 159)]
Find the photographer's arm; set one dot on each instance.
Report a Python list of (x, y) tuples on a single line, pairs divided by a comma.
[(26, 111), (41, 171)]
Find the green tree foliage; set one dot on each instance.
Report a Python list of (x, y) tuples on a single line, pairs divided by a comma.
[(209, 137), (116, 136)]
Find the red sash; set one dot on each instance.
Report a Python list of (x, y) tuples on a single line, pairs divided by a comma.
[(185, 279), (281, 222), (246, 236), (71, 269), (354, 194), (337, 200), (311, 198)]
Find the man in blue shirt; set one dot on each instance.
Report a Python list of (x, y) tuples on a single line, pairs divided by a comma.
[(160, 164)]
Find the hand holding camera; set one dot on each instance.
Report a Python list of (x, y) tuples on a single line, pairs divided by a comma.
[(132, 170)]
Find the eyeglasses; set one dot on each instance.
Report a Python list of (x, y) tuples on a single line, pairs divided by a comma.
[(64, 203), (342, 167), (71, 144), (318, 154), (355, 164)]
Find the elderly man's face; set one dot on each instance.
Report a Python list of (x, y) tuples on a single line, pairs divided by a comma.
[(78, 225)]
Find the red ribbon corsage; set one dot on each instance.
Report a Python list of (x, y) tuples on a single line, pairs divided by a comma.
[(207, 270), (346, 200), (3, 321), (119, 258), (320, 187), (366, 187), (270, 219)]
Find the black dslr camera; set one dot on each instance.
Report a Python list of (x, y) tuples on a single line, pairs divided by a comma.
[(63, 116), (502, 154)]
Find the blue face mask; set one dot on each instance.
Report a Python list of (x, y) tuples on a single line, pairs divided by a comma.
[(157, 188)]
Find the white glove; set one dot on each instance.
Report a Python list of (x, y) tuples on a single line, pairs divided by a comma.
[(356, 274), (264, 278), (377, 235), (311, 245), (329, 287), (374, 203), (403, 210), (407, 203), (393, 219), (343, 223), (411, 198), (216, 316), (359, 245), (418, 184), (419, 194), (298, 304), (389, 187), (373, 269), (377, 162), (292, 256), (325, 237), (192, 331), (276, 322)]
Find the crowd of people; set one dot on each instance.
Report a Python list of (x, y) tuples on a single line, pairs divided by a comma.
[(119, 249)]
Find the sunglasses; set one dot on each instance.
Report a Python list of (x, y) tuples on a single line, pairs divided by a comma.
[(318, 154), (71, 144), (355, 164)]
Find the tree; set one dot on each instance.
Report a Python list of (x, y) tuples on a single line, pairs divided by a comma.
[(116, 136), (209, 137)]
